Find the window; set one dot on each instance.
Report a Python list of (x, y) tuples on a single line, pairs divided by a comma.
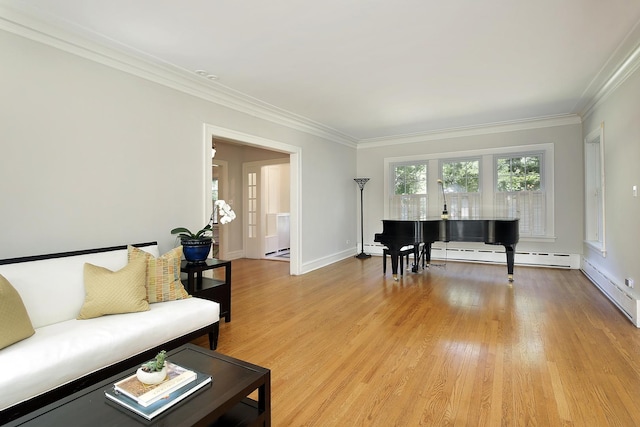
[(594, 189), (519, 191), (214, 197), (214, 189), (252, 205), (215, 229), (408, 199), (519, 173), (461, 182), (516, 181)]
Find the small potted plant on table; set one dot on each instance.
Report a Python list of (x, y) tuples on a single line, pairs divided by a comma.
[(154, 371)]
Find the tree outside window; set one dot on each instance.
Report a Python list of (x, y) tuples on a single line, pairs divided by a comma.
[(461, 181), (507, 182), (519, 192), (410, 179), (409, 199), (518, 173)]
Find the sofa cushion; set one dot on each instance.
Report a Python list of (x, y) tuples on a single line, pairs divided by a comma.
[(15, 324), (52, 289), (75, 348), (114, 292), (163, 274)]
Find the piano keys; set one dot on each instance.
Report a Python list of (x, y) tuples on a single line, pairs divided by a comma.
[(397, 234)]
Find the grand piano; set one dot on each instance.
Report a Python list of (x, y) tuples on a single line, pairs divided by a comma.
[(397, 234)]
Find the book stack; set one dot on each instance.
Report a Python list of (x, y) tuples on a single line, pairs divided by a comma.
[(151, 400)]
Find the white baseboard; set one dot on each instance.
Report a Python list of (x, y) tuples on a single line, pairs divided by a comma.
[(496, 256), (324, 261), (234, 255), (622, 297)]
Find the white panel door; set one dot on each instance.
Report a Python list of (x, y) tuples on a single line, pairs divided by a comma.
[(252, 224)]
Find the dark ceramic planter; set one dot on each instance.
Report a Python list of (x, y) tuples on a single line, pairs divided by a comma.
[(196, 250)]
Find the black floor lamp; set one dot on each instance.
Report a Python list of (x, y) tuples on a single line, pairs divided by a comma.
[(361, 182)]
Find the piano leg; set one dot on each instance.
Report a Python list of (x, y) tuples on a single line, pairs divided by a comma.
[(394, 254), (398, 256), (510, 250), (384, 261), (394, 264), (427, 254), (416, 258), (394, 267)]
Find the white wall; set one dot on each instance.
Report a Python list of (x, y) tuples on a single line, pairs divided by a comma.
[(93, 156), (277, 188), (568, 171), (620, 112)]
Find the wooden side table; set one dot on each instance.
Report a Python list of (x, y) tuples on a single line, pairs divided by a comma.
[(211, 289)]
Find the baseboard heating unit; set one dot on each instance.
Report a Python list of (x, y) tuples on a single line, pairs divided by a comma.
[(624, 298), (496, 255)]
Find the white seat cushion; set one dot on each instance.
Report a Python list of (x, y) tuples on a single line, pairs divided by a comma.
[(62, 352)]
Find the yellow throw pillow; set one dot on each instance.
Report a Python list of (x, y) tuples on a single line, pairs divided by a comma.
[(163, 274), (15, 324), (114, 292)]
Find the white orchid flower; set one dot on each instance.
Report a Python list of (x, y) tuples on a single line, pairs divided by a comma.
[(226, 213)]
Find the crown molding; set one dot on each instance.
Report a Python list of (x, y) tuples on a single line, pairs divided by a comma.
[(22, 22), (29, 26), (511, 126), (628, 67), (621, 64)]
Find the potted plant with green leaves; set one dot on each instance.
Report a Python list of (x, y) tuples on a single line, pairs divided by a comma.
[(153, 371), (197, 245)]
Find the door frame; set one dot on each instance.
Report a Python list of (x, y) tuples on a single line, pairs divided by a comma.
[(295, 181), (224, 191)]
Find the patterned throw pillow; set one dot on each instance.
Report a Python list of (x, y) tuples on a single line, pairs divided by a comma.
[(114, 292), (15, 324), (163, 274)]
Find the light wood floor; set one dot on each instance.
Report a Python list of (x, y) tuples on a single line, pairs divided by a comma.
[(450, 346)]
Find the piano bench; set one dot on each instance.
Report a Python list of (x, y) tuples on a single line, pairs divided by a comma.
[(404, 253)]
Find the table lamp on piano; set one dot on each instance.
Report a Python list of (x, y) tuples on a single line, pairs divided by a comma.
[(445, 213)]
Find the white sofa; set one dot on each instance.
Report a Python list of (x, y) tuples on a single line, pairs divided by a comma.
[(66, 354)]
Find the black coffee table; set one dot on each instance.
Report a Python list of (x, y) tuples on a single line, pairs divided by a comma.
[(222, 403)]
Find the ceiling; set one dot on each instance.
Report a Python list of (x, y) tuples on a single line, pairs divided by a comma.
[(375, 68)]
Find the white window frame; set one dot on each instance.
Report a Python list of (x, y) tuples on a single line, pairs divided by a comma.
[(487, 180), (526, 197), (455, 200), (412, 206), (594, 187)]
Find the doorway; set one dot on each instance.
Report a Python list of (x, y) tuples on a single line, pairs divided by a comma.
[(294, 153), (266, 214), (276, 196)]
